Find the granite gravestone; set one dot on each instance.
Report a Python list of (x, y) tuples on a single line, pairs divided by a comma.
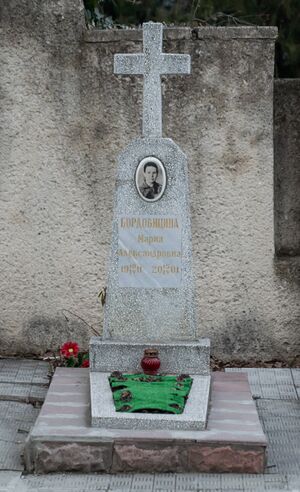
[(150, 294)]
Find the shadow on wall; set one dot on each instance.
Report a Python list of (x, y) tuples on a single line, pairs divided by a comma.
[(45, 333), (258, 340), (286, 167), (287, 268)]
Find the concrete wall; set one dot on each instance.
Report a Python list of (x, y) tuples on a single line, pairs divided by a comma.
[(64, 119), (287, 166)]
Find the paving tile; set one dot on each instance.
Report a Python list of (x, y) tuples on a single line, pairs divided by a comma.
[(296, 379), (187, 481), (280, 416), (281, 421), (210, 481), (123, 489), (293, 481), (278, 408), (68, 482), (232, 481), (10, 456), (188, 490), (120, 481), (10, 479), (22, 392), (254, 482), (277, 481), (58, 489), (269, 383), (24, 371), (18, 411), (142, 482), (8, 430), (165, 481), (162, 490)]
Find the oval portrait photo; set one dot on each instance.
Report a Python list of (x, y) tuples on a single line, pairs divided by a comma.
[(150, 179)]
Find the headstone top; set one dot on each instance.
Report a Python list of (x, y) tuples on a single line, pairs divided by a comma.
[(152, 64)]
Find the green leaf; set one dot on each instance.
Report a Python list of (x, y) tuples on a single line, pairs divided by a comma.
[(70, 362)]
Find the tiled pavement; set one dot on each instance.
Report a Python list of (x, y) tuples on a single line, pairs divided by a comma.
[(23, 385)]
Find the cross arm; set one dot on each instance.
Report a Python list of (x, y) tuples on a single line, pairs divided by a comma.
[(176, 64), (129, 64)]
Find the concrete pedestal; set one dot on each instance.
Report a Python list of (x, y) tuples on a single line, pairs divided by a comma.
[(188, 357)]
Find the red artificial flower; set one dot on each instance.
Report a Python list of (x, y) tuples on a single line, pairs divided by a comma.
[(69, 349), (85, 363)]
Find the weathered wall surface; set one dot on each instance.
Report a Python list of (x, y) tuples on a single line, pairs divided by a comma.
[(49, 244), (287, 166), (64, 119)]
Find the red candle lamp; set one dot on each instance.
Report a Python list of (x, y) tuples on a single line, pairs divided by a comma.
[(150, 362)]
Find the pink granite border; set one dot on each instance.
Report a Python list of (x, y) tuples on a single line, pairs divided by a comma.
[(62, 439)]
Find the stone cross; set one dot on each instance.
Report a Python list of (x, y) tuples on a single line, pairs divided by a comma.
[(150, 293), (152, 64)]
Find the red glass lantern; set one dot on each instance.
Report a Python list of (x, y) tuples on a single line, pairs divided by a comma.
[(150, 362)]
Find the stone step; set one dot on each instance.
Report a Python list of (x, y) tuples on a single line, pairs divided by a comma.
[(191, 357), (63, 439)]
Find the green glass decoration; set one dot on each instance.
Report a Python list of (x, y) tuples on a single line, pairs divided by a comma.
[(150, 394)]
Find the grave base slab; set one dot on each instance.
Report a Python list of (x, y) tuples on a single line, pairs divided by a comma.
[(63, 440), (103, 411)]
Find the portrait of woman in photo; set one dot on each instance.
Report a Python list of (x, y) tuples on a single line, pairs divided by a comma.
[(150, 179)]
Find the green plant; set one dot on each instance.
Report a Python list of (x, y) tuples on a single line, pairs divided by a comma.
[(285, 14)]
